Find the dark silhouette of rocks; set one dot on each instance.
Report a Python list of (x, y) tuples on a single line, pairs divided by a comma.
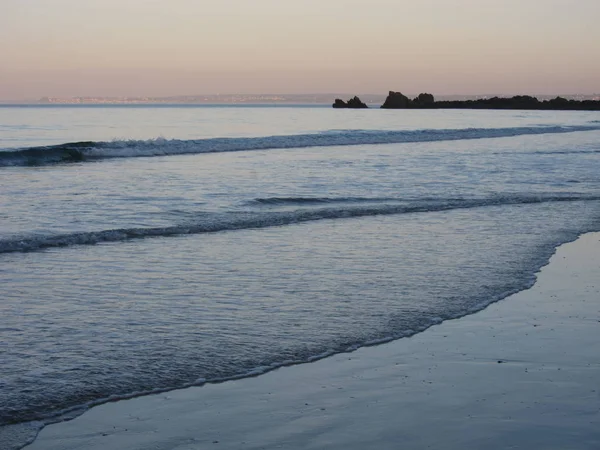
[(396, 100), (353, 103), (424, 100), (522, 102)]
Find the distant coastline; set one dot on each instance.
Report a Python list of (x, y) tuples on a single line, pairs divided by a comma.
[(397, 100)]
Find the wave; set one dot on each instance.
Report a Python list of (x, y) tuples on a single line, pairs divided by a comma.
[(18, 434), (97, 150), (294, 201), (215, 222)]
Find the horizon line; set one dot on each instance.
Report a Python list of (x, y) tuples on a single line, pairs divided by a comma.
[(244, 97)]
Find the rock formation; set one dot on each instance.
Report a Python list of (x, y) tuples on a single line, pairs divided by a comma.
[(396, 100), (424, 100), (353, 103), (525, 102)]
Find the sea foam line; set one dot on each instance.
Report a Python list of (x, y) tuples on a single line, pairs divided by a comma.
[(265, 219), (97, 150)]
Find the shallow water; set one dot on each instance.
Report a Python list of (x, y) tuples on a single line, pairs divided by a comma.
[(140, 273)]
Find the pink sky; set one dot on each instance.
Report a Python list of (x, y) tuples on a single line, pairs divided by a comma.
[(156, 48)]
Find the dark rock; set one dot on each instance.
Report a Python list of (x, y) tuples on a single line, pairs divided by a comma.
[(396, 100), (526, 102), (353, 103), (424, 100), (559, 102), (356, 103)]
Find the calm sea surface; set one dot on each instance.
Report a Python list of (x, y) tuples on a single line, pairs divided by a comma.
[(153, 247)]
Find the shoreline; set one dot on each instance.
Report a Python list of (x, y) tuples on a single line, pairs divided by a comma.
[(451, 377)]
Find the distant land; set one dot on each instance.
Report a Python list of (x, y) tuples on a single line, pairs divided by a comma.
[(250, 99), (397, 100)]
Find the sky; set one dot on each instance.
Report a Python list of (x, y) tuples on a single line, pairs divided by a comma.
[(65, 48)]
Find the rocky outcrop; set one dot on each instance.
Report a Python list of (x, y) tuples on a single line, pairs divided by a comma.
[(525, 102), (353, 103), (424, 100), (396, 100)]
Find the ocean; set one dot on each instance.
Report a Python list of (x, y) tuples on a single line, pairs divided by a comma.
[(147, 248)]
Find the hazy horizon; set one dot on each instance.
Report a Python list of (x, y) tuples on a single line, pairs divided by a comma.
[(110, 48), (308, 98)]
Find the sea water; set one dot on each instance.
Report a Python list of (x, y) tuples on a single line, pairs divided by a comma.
[(147, 248)]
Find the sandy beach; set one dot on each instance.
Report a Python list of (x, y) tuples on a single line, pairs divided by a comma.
[(523, 373)]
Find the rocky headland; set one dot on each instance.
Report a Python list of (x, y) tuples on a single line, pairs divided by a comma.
[(353, 103), (397, 100)]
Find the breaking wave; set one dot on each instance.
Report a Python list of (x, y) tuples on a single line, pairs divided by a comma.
[(97, 150), (330, 208), (295, 201)]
